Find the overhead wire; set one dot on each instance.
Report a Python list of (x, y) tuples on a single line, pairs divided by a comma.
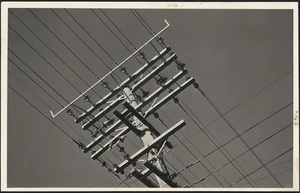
[(250, 97), (73, 139), (217, 142), (60, 41), (43, 58), (52, 51), (236, 132), (265, 177), (38, 76), (213, 143), (263, 165), (250, 128), (98, 45), (188, 149), (64, 132), (81, 39), (116, 28), (149, 29), (35, 82), (124, 37)]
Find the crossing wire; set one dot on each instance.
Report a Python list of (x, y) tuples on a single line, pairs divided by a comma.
[(161, 120), (213, 105), (102, 50), (217, 142), (61, 41), (250, 128), (268, 176), (65, 133), (73, 139), (250, 97), (39, 99), (82, 40), (213, 143), (250, 149), (35, 73), (52, 51), (35, 82), (236, 132), (263, 166), (124, 37), (38, 76), (223, 146), (42, 57), (148, 28), (153, 33), (114, 33), (193, 154), (129, 42), (79, 37), (208, 99)]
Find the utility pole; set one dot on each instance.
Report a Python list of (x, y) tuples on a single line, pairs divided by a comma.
[(153, 141), (146, 136)]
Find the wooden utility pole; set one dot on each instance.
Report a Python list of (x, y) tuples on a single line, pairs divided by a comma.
[(152, 139), (146, 136)]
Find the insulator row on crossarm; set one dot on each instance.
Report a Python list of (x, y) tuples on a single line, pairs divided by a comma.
[(160, 40), (70, 113), (142, 55), (105, 85), (87, 99)]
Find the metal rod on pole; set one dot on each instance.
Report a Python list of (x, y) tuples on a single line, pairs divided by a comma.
[(145, 102), (54, 115)]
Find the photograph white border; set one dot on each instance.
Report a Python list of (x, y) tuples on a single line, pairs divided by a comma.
[(149, 5)]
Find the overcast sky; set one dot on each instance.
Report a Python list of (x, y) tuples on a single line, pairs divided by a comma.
[(240, 58)]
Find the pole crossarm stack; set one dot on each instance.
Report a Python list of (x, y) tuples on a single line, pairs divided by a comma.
[(145, 122), (170, 96), (135, 87), (153, 144), (112, 71), (127, 81), (160, 174), (141, 105)]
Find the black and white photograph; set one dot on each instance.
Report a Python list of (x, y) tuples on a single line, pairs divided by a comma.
[(149, 96)]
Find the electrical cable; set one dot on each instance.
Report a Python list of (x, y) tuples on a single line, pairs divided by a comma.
[(236, 132), (263, 166), (52, 51)]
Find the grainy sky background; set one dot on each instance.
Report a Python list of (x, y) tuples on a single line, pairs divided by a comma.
[(242, 60)]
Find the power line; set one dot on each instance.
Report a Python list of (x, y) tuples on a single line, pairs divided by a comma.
[(235, 131), (43, 58), (193, 153), (93, 40), (35, 82), (263, 166), (276, 174), (250, 97), (65, 133), (250, 149), (37, 75), (252, 127), (61, 41), (247, 130), (123, 36), (211, 140), (47, 117), (51, 50)]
